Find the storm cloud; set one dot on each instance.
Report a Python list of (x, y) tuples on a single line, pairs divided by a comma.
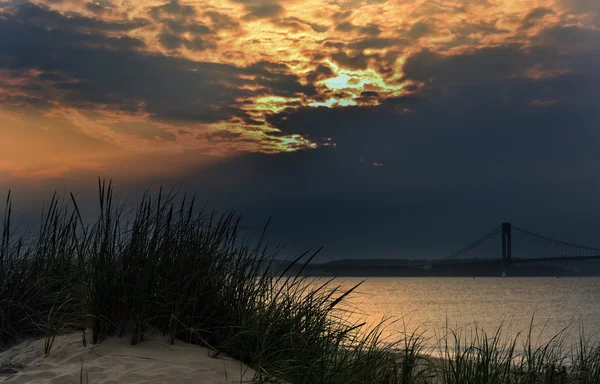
[(380, 129)]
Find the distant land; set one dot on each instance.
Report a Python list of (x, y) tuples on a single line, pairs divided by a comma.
[(439, 268)]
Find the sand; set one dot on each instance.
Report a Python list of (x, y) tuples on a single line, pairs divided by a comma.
[(115, 361)]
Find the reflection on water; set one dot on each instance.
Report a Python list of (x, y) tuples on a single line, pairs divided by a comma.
[(428, 304)]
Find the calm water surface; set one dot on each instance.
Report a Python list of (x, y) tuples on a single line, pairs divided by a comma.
[(428, 304)]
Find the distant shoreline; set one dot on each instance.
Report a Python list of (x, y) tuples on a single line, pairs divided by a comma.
[(475, 268)]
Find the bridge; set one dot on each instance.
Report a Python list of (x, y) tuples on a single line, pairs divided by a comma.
[(532, 247)]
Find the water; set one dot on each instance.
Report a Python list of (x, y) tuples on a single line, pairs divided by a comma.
[(429, 304)]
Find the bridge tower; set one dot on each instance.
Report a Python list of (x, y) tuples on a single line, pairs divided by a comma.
[(506, 245)]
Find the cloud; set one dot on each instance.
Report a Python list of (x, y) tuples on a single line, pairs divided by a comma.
[(44, 17), (470, 112), (474, 107), (105, 71), (94, 81), (261, 9), (179, 27), (369, 96), (370, 29), (264, 11), (223, 135), (582, 6), (278, 79), (534, 16), (320, 73), (376, 43), (293, 26), (222, 21), (480, 68), (173, 8), (419, 29), (298, 24), (341, 15), (346, 26), (569, 38), (173, 41), (358, 61), (144, 131)]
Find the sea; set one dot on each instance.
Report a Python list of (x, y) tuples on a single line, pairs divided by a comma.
[(544, 308)]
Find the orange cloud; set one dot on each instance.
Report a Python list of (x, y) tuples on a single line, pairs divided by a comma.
[(271, 56)]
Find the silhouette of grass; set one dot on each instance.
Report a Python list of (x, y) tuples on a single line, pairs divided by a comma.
[(198, 277)]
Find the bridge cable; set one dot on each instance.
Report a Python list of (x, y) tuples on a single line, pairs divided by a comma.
[(554, 240), (474, 244)]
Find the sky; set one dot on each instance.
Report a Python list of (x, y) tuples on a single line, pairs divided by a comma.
[(376, 128)]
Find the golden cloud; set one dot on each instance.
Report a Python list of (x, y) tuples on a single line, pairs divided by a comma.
[(291, 54)]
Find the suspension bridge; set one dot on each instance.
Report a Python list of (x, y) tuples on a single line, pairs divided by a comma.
[(506, 250), (499, 246)]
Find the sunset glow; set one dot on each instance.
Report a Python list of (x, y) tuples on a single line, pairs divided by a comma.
[(219, 76)]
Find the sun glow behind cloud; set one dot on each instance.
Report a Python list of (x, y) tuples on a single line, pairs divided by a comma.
[(217, 71)]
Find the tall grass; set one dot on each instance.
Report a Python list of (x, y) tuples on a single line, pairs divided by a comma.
[(483, 358), (164, 265)]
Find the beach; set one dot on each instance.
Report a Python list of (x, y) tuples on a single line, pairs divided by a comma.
[(116, 361)]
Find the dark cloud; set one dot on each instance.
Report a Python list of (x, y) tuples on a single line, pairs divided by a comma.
[(174, 8), (320, 73), (26, 31), (265, 11), (582, 6), (480, 68), (385, 64), (346, 26), (96, 8), (411, 207), (222, 20), (172, 42), (179, 27), (177, 20), (250, 121), (419, 29), (369, 96), (333, 44), (376, 43), (276, 78), (342, 15), (358, 61), (319, 28), (262, 9), (478, 141), (536, 14), (370, 29), (291, 25), (42, 16), (299, 24), (223, 135), (469, 140), (463, 33), (569, 38), (108, 71)]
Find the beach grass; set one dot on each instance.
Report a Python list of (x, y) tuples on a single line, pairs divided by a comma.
[(165, 264)]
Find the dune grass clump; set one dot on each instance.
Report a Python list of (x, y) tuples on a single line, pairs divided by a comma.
[(493, 359), (163, 265), (193, 275)]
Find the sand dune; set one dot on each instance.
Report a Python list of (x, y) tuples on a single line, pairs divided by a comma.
[(115, 361)]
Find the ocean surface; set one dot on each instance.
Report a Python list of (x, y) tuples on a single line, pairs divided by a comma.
[(431, 306)]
